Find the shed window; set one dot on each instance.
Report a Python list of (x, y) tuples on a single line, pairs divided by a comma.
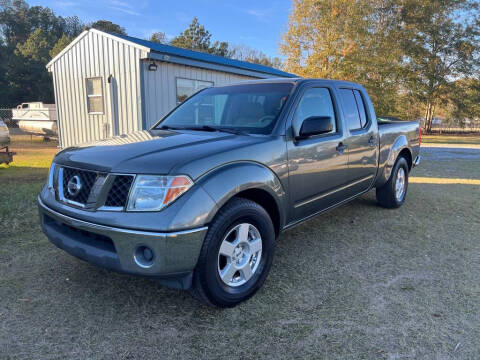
[(188, 87), (94, 95)]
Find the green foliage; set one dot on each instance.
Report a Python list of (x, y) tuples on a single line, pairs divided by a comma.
[(18, 21), (29, 38), (107, 26), (60, 45), (441, 44), (464, 102), (159, 37), (37, 46), (197, 38)]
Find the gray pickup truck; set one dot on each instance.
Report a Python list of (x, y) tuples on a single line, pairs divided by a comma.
[(198, 201)]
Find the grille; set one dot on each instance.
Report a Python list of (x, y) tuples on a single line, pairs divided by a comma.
[(118, 194), (87, 179)]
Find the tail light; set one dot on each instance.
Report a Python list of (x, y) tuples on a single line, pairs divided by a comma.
[(419, 136)]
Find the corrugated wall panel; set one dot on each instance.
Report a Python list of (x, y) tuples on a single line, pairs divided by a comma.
[(96, 55), (160, 85)]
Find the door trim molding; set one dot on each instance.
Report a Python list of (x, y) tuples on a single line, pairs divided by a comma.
[(300, 221), (331, 192)]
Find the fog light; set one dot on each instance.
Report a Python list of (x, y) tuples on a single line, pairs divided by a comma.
[(144, 256), (147, 254)]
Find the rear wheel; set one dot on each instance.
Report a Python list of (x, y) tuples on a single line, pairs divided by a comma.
[(236, 255), (393, 193)]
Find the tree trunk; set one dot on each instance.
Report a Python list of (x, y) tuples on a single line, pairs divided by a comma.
[(429, 116)]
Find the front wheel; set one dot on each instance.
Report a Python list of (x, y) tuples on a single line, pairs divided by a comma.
[(393, 193), (236, 254)]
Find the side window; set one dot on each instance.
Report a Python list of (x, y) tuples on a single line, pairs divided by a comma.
[(350, 109), (94, 95), (315, 102), (188, 87), (361, 108)]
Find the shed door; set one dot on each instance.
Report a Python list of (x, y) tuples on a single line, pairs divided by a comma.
[(113, 121)]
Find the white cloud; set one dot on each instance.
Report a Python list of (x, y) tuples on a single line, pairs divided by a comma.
[(260, 14), (122, 6)]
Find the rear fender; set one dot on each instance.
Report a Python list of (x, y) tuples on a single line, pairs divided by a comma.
[(399, 144), (225, 182)]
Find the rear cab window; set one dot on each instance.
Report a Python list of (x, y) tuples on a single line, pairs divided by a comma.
[(354, 109), (361, 108)]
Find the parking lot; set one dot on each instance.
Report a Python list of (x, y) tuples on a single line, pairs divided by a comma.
[(360, 282)]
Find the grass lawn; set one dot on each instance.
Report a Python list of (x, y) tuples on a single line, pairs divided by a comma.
[(451, 139), (359, 282)]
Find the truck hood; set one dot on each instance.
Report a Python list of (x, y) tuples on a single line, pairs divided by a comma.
[(150, 152)]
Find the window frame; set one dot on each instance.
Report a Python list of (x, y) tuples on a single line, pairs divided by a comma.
[(196, 90), (94, 95), (367, 117), (367, 124), (338, 124)]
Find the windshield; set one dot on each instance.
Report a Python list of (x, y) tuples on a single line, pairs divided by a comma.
[(249, 108)]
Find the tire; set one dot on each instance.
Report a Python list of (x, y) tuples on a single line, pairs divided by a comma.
[(387, 195), (239, 216)]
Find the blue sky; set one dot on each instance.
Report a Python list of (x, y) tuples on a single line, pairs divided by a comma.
[(258, 24)]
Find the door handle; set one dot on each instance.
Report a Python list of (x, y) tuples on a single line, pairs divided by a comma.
[(341, 148), (372, 141)]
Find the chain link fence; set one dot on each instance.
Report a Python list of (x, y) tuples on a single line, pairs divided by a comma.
[(457, 129), (6, 117)]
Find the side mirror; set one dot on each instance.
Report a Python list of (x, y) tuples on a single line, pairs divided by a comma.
[(315, 125)]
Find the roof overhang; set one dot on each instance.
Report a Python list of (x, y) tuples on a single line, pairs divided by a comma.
[(167, 53), (206, 65)]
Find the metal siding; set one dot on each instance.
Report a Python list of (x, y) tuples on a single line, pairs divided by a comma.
[(96, 55), (55, 89), (160, 85)]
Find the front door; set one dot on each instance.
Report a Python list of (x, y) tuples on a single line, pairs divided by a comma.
[(361, 142), (318, 164), (113, 121)]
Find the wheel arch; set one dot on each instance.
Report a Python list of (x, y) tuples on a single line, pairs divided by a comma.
[(248, 180), (407, 154), (400, 147), (267, 201)]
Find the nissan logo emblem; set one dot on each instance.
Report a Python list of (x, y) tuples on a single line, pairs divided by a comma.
[(74, 185)]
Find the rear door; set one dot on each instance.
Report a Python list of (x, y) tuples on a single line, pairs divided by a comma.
[(318, 164), (361, 142)]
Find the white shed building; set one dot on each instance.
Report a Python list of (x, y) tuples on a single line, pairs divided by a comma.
[(108, 84)]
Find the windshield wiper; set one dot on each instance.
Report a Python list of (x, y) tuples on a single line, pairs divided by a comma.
[(204, 128), (168, 127), (222, 129)]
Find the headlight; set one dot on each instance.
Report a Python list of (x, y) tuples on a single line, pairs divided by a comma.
[(152, 193), (51, 173)]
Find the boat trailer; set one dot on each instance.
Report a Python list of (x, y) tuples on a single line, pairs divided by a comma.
[(6, 156)]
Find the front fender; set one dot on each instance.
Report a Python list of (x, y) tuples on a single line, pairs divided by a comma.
[(225, 182), (400, 143)]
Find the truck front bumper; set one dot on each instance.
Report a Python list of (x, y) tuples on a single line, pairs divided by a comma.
[(170, 256)]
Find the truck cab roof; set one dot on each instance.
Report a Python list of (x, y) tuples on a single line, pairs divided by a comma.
[(298, 81)]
